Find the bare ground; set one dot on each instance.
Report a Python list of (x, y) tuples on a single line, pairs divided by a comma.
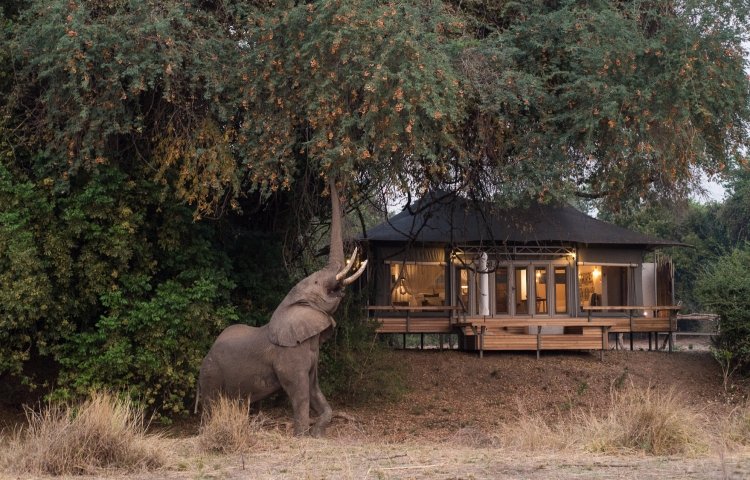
[(445, 426)]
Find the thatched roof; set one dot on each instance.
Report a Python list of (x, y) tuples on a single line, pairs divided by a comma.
[(446, 219)]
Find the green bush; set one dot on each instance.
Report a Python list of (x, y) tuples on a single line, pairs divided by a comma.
[(110, 282), (354, 367), (725, 289), (150, 346)]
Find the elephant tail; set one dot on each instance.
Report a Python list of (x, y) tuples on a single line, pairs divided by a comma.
[(197, 396)]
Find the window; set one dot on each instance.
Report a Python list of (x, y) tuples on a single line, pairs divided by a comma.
[(561, 290), (417, 285), (540, 288), (463, 289), (601, 285)]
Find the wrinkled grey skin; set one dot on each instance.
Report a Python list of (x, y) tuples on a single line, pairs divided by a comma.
[(256, 362)]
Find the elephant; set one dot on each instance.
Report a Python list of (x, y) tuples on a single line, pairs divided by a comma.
[(255, 362)]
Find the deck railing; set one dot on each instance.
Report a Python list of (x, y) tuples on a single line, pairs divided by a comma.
[(634, 320)]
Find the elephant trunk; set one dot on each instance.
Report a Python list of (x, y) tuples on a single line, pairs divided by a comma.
[(336, 255)]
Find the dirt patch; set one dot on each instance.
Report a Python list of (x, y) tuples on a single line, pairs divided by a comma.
[(452, 390)]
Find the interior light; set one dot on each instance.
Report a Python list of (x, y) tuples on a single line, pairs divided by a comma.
[(402, 287)]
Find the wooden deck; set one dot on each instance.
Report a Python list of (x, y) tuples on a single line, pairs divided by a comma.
[(427, 319), (482, 333), (528, 334)]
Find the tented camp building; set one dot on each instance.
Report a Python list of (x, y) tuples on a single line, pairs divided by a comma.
[(533, 278)]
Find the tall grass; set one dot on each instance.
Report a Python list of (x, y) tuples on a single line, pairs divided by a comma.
[(637, 420), (102, 433), (735, 428), (646, 420), (227, 427)]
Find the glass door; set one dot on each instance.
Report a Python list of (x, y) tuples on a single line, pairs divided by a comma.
[(522, 290), (540, 291), (501, 291), (561, 290)]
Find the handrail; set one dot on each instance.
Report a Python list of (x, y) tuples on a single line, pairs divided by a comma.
[(425, 308), (601, 308)]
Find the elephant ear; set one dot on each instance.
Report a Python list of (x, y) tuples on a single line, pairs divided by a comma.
[(293, 325)]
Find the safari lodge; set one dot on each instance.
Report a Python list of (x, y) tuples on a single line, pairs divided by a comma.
[(544, 277)]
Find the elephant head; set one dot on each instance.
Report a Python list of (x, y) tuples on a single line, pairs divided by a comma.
[(307, 308)]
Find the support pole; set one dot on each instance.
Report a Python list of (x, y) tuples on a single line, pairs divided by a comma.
[(484, 285), (630, 320), (538, 341), (421, 341), (481, 342)]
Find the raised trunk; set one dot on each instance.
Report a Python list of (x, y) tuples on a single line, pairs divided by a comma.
[(336, 255)]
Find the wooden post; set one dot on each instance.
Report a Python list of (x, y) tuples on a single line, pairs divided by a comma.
[(440, 341), (481, 341), (605, 334), (538, 340), (671, 334), (421, 341), (630, 320), (404, 340)]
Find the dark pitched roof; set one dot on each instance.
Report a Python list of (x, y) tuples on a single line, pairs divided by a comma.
[(447, 219)]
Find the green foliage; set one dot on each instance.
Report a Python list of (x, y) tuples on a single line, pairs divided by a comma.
[(725, 289), (354, 367), (610, 99), (114, 285), (710, 229), (149, 345), (734, 213), (127, 79)]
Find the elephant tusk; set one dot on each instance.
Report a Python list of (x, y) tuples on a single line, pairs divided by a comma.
[(347, 267), (350, 280)]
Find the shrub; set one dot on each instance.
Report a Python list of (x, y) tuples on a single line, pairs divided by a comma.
[(725, 289), (355, 368), (227, 427), (104, 432), (151, 347)]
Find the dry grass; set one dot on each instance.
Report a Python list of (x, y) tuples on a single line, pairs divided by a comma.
[(227, 427), (646, 420), (104, 432), (637, 421), (734, 431)]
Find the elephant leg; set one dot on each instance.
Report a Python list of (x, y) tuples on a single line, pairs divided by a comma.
[(297, 387), (319, 404)]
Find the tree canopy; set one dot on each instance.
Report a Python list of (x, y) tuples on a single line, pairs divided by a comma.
[(596, 98)]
